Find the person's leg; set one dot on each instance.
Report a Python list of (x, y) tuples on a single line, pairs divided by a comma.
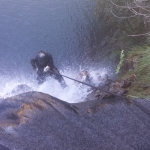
[(59, 78), (41, 79)]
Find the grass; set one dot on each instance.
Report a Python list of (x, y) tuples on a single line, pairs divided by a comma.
[(141, 87)]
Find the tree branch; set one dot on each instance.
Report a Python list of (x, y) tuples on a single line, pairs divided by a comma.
[(140, 34), (123, 17)]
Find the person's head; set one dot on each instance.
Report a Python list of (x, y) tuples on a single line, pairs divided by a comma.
[(41, 57), (84, 72), (41, 54)]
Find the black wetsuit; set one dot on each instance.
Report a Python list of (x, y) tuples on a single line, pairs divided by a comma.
[(41, 75)]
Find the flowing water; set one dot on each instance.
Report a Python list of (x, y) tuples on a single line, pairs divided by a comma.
[(65, 28)]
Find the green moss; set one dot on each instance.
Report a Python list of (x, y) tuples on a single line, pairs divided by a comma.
[(141, 86), (143, 64)]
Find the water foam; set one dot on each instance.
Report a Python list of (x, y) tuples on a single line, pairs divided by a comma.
[(74, 93)]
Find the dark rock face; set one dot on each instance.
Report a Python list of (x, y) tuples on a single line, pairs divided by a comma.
[(39, 121)]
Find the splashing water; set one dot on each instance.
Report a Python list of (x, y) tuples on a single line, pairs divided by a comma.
[(74, 93)]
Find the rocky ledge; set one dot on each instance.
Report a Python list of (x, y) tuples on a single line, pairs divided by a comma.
[(38, 121)]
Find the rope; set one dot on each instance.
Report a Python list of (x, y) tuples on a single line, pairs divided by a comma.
[(146, 111), (119, 96)]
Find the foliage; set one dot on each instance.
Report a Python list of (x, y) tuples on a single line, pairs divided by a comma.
[(126, 24), (121, 61), (141, 87), (143, 68), (132, 16)]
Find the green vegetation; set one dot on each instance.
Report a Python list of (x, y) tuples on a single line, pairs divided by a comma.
[(127, 27), (138, 63), (127, 24), (121, 61)]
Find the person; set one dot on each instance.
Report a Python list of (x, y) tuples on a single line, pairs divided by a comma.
[(44, 66), (84, 76)]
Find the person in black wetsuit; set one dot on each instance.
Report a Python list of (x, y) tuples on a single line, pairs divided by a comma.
[(44, 66)]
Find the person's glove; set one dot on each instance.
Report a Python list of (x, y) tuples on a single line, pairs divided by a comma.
[(46, 69)]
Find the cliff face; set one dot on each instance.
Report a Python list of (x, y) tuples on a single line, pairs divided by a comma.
[(127, 28), (126, 24), (39, 121)]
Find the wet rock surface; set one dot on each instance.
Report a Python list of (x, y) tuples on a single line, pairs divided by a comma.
[(38, 121)]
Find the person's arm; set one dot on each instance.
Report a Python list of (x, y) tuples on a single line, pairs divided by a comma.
[(33, 63), (50, 60)]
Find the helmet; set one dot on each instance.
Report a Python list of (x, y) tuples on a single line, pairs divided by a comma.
[(41, 58)]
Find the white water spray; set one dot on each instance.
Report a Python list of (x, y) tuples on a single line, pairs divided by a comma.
[(74, 93)]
